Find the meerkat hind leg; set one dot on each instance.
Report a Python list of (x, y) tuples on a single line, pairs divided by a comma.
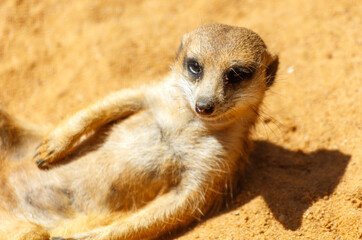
[(166, 213), (16, 229)]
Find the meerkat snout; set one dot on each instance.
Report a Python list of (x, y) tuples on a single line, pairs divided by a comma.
[(204, 106)]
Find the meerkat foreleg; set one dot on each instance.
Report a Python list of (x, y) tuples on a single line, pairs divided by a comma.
[(59, 143), (166, 213)]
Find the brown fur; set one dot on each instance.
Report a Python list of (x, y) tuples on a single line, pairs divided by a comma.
[(143, 161)]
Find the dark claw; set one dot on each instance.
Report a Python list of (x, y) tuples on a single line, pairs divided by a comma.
[(36, 154), (40, 162), (40, 144), (61, 238)]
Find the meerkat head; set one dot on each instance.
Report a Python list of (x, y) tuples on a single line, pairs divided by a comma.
[(224, 71)]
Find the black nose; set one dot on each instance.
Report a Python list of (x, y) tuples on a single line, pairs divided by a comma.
[(204, 108)]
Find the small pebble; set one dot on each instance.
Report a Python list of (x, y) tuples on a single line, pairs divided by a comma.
[(281, 218), (290, 69)]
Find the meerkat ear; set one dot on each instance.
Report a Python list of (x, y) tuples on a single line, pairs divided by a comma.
[(271, 69), (179, 49)]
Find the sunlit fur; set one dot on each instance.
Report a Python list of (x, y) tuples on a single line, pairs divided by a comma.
[(141, 162)]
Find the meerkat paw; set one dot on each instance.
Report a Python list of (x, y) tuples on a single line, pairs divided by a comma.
[(49, 151), (62, 238), (45, 154), (83, 236)]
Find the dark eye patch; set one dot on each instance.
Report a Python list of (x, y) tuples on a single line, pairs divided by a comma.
[(194, 68), (238, 74)]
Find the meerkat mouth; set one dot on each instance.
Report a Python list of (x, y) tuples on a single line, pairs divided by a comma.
[(223, 115), (218, 117)]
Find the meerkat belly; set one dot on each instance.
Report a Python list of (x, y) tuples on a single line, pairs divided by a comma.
[(133, 165), (145, 164), (37, 195)]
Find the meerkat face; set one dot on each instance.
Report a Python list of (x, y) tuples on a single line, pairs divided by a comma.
[(224, 71)]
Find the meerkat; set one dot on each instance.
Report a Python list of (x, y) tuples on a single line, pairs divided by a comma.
[(145, 161)]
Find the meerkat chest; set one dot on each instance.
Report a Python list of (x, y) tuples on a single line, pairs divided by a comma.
[(148, 141)]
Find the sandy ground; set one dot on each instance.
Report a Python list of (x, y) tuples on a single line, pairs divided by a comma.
[(305, 179)]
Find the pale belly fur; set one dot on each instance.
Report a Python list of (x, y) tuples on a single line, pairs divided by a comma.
[(120, 168)]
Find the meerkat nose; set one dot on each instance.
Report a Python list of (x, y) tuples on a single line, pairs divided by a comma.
[(204, 107)]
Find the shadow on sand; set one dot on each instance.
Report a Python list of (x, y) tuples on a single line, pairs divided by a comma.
[(289, 181)]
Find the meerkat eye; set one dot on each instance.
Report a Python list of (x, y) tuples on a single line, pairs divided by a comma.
[(238, 74), (194, 67)]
